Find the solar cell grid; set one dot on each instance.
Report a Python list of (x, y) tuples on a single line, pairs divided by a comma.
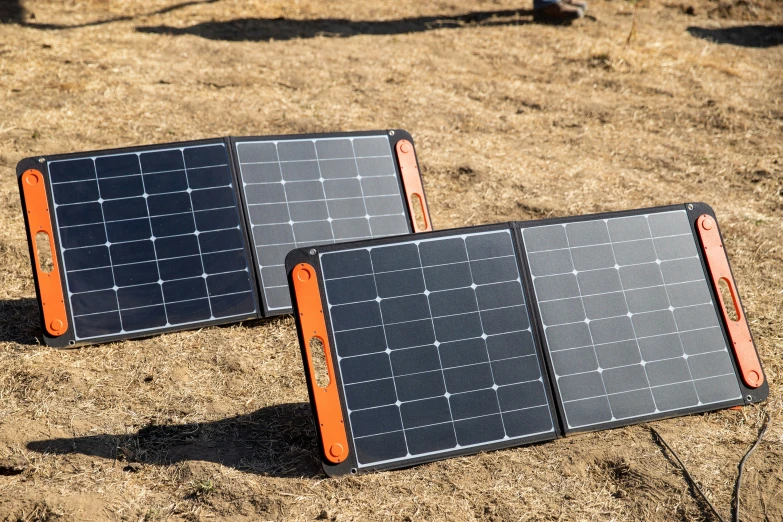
[(302, 192), (630, 326), (434, 346), (150, 240)]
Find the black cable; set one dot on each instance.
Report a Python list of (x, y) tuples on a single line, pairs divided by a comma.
[(694, 485), (685, 472), (762, 431)]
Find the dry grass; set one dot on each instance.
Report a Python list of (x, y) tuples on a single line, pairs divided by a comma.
[(512, 121)]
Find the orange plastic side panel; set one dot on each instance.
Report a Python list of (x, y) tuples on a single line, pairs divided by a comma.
[(327, 400), (411, 180), (739, 332), (40, 220)]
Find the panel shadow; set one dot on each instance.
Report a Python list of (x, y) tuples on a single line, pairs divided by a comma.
[(758, 36)]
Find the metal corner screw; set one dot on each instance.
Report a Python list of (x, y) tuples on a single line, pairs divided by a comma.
[(690, 207), (41, 160), (312, 252), (391, 133)]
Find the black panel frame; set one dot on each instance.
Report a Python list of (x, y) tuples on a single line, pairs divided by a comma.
[(394, 136), (350, 466), (67, 339)]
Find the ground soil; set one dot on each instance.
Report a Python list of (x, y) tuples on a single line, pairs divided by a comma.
[(681, 102)]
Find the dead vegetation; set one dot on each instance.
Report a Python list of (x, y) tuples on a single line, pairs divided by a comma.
[(511, 120)]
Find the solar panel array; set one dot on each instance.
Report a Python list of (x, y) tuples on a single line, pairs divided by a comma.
[(306, 192), (150, 240), (629, 321), (434, 346)]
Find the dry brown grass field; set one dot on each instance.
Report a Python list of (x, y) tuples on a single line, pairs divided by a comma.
[(512, 121)]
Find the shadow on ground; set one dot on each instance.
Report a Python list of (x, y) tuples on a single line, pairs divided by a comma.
[(276, 441), (266, 29), (20, 320), (760, 36)]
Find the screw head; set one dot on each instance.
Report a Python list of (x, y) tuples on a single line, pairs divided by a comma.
[(749, 398), (41, 160), (313, 252), (391, 133)]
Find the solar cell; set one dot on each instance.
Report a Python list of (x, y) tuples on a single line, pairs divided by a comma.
[(301, 192), (432, 349), (630, 324)]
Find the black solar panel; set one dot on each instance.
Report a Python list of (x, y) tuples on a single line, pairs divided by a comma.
[(168, 237), (433, 351), (301, 192), (150, 240)]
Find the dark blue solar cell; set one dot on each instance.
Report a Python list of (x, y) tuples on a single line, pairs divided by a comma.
[(131, 230), (86, 214), (365, 368), (113, 166), (120, 209), (82, 236), (217, 219), (225, 261), (166, 204), (216, 198), (173, 225), (378, 448), (205, 156), (73, 170), (443, 252), (188, 311), (169, 247), (209, 177), (228, 283), (229, 305), (136, 274), (97, 325), (143, 318), (180, 268), (132, 252), (94, 302), (394, 258), (370, 394), (75, 192), (184, 289), (377, 420), (431, 438), (162, 161), (346, 264), (219, 241), (89, 280), (91, 257), (124, 187), (142, 295), (168, 182), (479, 430)]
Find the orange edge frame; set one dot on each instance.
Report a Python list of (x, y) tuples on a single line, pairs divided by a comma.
[(739, 332), (327, 400), (39, 220), (411, 180)]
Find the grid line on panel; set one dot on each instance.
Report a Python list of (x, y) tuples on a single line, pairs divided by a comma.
[(584, 310), (198, 240), (106, 232), (393, 378), (618, 291), (609, 243), (323, 191), (604, 268)]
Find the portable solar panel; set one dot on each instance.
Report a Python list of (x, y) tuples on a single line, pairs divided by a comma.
[(487, 337), (168, 237)]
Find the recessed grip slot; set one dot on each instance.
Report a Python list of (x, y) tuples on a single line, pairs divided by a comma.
[(736, 323), (47, 269), (329, 413), (414, 191)]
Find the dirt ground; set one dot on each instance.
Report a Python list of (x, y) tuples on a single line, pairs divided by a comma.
[(512, 121)]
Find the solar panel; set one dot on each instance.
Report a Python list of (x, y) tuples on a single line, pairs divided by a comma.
[(486, 337), (630, 323), (168, 237), (309, 191)]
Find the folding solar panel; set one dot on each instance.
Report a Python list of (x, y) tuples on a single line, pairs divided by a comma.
[(169, 237), (480, 338)]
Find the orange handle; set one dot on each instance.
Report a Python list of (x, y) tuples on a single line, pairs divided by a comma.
[(327, 399), (739, 332), (40, 220), (411, 180)]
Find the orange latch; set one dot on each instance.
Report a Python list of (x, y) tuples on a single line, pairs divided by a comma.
[(411, 180), (327, 400), (40, 220), (739, 332)]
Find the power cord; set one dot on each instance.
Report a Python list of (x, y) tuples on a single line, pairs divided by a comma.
[(741, 467)]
